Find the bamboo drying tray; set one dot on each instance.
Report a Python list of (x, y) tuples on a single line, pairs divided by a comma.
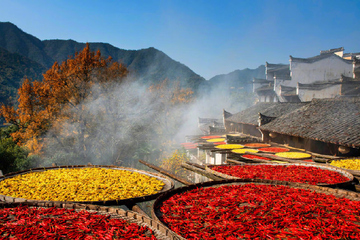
[(325, 167), (353, 172), (257, 145), (159, 230), (293, 155), (157, 214), (168, 185), (255, 159)]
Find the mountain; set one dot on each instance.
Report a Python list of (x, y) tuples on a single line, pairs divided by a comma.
[(22, 54), (13, 68), (238, 79), (15, 40), (149, 65)]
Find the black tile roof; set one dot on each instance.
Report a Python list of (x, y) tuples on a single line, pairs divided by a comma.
[(335, 120), (285, 90), (265, 88), (318, 85), (261, 80), (251, 115), (332, 50), (280, 71), (273, 65), (317, 58)]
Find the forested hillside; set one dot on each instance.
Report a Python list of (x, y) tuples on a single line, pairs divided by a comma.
[(150, 65), (13, 68), (238, 79)]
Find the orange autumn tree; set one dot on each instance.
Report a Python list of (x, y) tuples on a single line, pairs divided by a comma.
[(61, 97)]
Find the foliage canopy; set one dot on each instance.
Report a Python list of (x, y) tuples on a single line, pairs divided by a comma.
[(84, 110), (60, 97)]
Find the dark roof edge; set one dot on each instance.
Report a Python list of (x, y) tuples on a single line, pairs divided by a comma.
[(318, 58), (316, 139)]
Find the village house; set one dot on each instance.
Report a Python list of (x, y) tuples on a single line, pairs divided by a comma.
[(325, 126), (330, 74), (247, 121), (328, 126), (211, 126)]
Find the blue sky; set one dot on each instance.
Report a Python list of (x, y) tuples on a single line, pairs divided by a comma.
[(211, 37)]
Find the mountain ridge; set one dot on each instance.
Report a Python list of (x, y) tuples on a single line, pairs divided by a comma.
[(149, 65)]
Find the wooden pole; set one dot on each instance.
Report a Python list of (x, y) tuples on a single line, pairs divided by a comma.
[(201, 171), (196, 165), (136, 208), (234, 161), (167, 173), (274, 157), (324, 156)]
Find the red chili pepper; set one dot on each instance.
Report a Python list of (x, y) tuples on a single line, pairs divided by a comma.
[(250, 156), (260, 211), (293, 173), (52, 223), (274, 149)]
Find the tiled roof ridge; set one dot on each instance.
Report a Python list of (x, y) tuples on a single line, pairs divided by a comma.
[(262, 80), (283, 87), (275, 65), (333, 120), (351, 54), (287, 67), (340, 99), (348, 79), (318, 58), (270, 109), (332, 50)]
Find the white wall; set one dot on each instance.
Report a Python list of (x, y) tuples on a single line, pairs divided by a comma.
[(326, 69), (330, 92)]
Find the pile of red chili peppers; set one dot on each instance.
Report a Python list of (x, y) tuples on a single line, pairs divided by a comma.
[(250, 156), (25, 222), (291, 173), (259, 211), (273, 149)]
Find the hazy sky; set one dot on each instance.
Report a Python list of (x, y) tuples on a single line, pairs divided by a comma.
[(211, 37)]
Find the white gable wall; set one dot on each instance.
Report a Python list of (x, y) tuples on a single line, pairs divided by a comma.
[(307, 95), (330, 68)]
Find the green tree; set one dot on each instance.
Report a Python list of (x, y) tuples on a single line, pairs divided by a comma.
[(12, 157)]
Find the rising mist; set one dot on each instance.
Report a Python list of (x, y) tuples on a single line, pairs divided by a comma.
[(126, 122)]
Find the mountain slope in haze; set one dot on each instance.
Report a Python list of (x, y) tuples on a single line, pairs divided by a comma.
[(150, 65), (26, 55), (238, 79)]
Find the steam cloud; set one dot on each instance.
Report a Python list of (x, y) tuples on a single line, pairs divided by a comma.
[(127, 123)]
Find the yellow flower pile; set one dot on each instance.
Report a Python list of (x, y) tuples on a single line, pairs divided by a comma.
[(353, 164), (80, 184), (243, 150), (229, 146), (293, 155), (216, 140)]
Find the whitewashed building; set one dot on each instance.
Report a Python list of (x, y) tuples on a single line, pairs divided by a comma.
[(328, 75)]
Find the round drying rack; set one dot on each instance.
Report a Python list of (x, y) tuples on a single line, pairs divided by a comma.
[(353, 172), (157, 214), (168, 185), (159, 230), (343, 185)]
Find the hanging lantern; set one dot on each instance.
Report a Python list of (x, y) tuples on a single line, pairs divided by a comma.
[(273, 135), (344, 149)]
